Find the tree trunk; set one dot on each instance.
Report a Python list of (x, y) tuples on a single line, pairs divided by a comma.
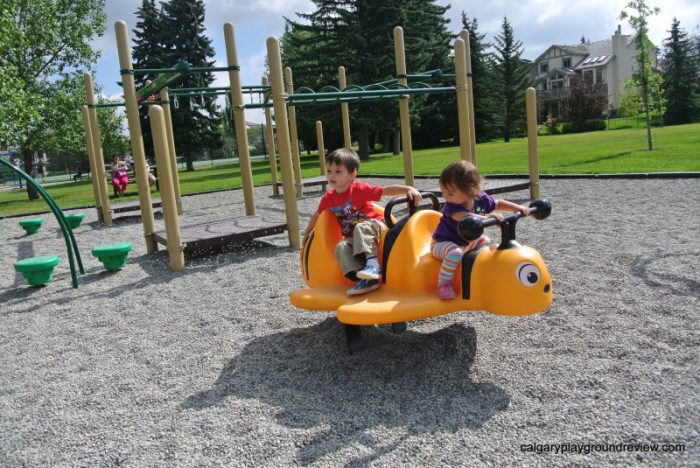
[(189, 163), (362, 143), (28, 158), (386, 146), (396, 145)]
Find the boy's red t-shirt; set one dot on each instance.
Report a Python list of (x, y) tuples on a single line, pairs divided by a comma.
[(353, 205)]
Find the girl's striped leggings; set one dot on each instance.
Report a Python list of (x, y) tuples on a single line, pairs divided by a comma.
[(451, 254)]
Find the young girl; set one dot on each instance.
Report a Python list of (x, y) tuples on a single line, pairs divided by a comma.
[(120, 178), (461, 186)]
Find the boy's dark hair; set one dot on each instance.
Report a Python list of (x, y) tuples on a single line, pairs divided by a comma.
[(461, 175), (344, 157)]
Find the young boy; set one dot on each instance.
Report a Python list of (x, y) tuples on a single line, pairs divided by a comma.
[(351, 203)]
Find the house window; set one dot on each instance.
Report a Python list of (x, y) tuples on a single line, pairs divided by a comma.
[(544, 67), (588, 75), (598, 75), (566, 62)]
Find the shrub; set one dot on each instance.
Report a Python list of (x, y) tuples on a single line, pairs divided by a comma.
[(589, 125)]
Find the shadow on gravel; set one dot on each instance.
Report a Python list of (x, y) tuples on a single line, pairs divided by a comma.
[(155, 266), (417, 382), (654, 271)]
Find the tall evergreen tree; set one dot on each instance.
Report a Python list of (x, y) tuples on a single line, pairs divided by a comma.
[(148, 53), (358, 34), (513, 78), (196, 121), (428, 46), (681, 68), (487, 115), (314, 48)]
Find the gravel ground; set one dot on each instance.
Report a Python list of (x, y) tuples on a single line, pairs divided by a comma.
[(213, 366)]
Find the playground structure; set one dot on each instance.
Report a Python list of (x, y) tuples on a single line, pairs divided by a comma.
[(284, 101), (71, 244), (96, 159)]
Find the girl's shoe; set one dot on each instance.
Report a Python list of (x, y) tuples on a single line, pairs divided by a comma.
[(446, 292)]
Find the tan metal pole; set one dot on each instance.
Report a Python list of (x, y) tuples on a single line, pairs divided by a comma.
[(91, 160), (462, 99), (321, 148), (271, 146), (238, 106), (165, 98), (406, 145), (294, 140), (344, 110), (137, 152), (531, 105), (167, 189), (274, 60), (470, 95), (99, 173)]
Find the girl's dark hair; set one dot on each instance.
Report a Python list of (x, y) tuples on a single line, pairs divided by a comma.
[(461, 175), (344, 157)]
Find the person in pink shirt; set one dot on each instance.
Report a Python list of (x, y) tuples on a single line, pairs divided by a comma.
[(120, 178)]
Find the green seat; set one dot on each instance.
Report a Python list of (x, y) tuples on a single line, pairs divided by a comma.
[(31, 225), (113, 256), (74, 219), (37, 270)]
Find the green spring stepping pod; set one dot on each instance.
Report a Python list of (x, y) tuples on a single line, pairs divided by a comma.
[(74, 219), (113, 256), (37, 270), (31, 225)]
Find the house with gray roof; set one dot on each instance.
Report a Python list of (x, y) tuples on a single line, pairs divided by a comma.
[(609, 62)]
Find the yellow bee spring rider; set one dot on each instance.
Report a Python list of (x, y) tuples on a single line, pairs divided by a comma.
[(509, 280)]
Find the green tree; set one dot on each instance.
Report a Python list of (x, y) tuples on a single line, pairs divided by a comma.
[(148, 53), (487, 115), (48, 40), (358, 34), (681, 69), (196, 121), (630, 100), (513, 78), (644, 73), (14, 111), (314, 48)]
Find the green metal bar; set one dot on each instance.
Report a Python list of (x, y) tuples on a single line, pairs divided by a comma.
[(261, 105), (294, 99), (111, 104), (67, 231), (179, 92), (162, 80), (214, 69), (355, 100), (148, 102), (215, 88)]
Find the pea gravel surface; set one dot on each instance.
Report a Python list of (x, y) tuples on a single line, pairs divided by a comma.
[(213, 366)]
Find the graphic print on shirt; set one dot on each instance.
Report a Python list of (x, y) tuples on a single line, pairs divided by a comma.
[(348, 216)]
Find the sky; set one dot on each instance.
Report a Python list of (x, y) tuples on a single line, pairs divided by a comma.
[(536, 23)]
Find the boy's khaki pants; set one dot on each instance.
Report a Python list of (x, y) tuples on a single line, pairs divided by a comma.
[(352, 252)]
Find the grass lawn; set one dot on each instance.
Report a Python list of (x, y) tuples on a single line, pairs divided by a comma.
[(677, 149)]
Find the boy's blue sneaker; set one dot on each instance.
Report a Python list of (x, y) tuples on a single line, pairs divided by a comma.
[(370, 272), (363, 286)]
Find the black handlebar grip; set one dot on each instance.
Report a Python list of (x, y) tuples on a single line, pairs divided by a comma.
[(412, 209)]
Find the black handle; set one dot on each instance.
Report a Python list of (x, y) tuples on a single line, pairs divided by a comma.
[(471, 227), (411, 208)]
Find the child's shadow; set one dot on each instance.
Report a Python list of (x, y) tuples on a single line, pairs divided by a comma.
[(416, 382)]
